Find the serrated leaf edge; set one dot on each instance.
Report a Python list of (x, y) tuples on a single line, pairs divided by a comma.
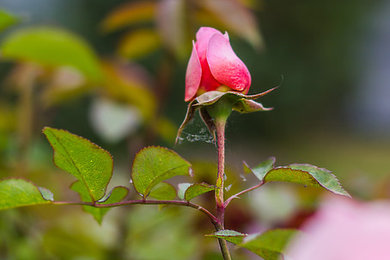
[(97, 146)]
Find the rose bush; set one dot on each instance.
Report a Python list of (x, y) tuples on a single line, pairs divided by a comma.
[(213, 65)]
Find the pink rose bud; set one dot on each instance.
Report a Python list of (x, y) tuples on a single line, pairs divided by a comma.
[(213, 65), (345, 230)]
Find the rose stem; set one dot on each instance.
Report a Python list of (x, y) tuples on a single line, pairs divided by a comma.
[(219, 198)]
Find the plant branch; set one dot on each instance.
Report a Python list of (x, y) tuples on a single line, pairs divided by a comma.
[(223, 244), (213, 219), (242, 192), (219, 198)]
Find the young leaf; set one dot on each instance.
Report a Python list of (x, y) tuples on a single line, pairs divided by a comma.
[(83, 159), (268, 245), (230, 236), (117, 194), (305, 174), (262, 169), (18, 193), (197, 189), (155, 164), (163, 191), (52, 47), (46, 194)]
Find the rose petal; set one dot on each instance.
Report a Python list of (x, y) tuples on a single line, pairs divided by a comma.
[(193, 75), (203, 37), (225, 66), (208, 82)]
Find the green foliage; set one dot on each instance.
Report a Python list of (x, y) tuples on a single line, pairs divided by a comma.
[(155, 164), (89, 163), (163, 191), (197, 189), (268, 245), (117, 194), (262, 169), (18, 193), (305, 174), (52, 47), (6, 20), (229, 235)]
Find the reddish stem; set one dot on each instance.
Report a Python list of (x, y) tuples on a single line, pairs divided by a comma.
[(219, 198), (242, 192)]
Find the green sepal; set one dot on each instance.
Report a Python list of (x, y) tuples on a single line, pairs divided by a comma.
[(237, 102)]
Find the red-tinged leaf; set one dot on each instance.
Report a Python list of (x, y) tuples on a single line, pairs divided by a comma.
[(237, 18), (131, 84), (128, 14), (170, 23), (139, 43)]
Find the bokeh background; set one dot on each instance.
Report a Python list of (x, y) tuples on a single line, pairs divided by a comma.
[(113, 72)]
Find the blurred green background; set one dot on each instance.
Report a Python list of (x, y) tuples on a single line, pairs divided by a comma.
[(113, 72)]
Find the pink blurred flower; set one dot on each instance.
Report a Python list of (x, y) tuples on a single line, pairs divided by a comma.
[(344, 229), (213, 65)]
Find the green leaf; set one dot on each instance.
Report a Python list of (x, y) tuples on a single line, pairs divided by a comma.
[(268, 245), (230, 236), (305, 174), (117, 194), (197, 189), (88, 162), (18, 193), (52, 47), (261, 170), (163, 191), (6, 20), (155, 164)]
